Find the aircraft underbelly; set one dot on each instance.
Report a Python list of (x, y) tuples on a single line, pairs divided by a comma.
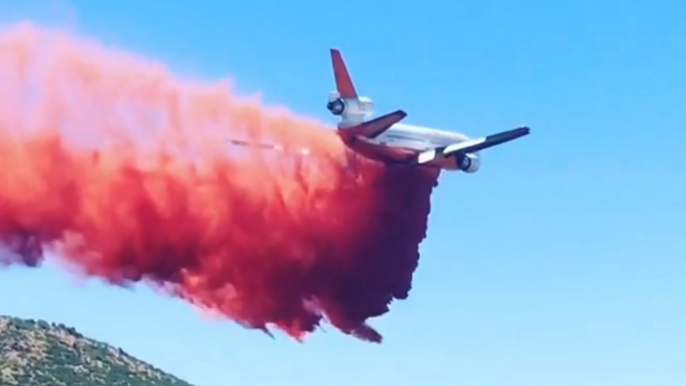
[(417, 145)]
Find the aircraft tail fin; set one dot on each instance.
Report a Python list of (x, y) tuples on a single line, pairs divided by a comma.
[(344, 84)]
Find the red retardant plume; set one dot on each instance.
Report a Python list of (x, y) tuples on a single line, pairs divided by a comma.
[(125, 172)]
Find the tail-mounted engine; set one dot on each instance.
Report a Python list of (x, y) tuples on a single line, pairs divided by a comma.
[(336, 107), (350, 109)]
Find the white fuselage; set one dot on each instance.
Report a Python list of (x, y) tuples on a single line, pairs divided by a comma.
[(427, 142), (416, 137)]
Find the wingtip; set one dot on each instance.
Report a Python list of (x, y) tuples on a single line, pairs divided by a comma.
[(524, 129)]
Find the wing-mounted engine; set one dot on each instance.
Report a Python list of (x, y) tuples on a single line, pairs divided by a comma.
[(468, 163)]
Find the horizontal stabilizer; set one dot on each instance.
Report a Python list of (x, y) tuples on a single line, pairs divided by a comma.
[(344, 85), (373, 128), (474, 145)]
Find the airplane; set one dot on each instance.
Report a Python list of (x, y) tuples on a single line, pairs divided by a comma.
[(386, 140)]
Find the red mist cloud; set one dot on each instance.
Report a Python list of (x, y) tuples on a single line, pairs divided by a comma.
[(125, 172)]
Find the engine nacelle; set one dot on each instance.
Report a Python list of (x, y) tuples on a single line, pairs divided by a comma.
[(468, 163), (336, 107), (350, 108)]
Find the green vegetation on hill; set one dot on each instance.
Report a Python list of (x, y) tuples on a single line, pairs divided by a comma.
[(38, 353)]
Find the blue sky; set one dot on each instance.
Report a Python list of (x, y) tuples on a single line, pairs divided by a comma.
[(560, 263)]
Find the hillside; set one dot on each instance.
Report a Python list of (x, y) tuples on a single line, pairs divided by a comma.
[(37, 353)]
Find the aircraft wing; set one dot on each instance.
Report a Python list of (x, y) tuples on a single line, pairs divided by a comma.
[(482, 143), (472, 145), (374, 127)]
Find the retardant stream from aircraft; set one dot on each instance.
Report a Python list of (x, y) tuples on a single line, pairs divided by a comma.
[(122, 171)]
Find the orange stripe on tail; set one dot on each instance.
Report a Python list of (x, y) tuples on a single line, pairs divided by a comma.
[(344, 84)]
